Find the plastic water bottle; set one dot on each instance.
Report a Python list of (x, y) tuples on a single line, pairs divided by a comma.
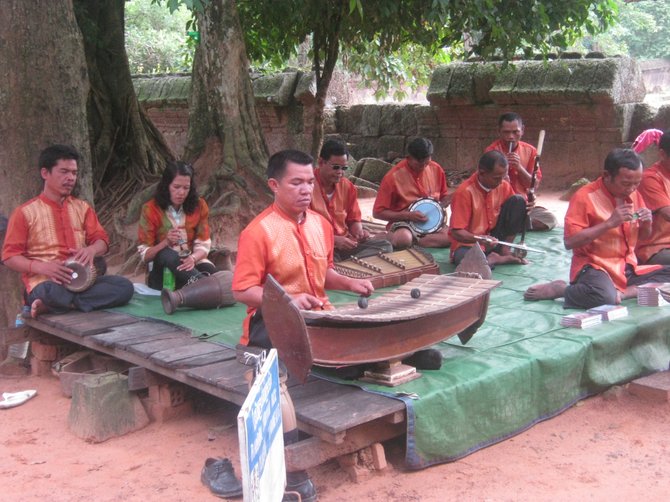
[(20, 350), (168, 279)]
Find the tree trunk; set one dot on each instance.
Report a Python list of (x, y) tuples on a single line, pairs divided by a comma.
[(225, 141), (43, 90), (128, 151)]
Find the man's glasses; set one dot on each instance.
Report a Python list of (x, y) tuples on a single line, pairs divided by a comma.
[(338, 167)]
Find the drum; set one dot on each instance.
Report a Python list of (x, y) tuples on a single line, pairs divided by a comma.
[(83, 276), (433, 211)]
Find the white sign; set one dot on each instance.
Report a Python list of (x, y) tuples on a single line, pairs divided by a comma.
[(259, 427)]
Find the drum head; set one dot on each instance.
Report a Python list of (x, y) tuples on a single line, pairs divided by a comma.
[(433, 212), (82, 276)]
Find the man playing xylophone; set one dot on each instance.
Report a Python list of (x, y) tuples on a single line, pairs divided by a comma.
[(335, 199)]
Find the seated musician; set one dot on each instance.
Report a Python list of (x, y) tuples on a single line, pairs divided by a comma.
[(55, 227), (414, 178), (655, 190), (174, 229), (485, 205), (521, 163), (602, 225), (291, 242), (335, 199)]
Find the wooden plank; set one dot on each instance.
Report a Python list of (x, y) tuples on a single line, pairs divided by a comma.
[(337, 408), (173, 357), (223, 354), (146, 349), (137, 333), (87, 323), (225, 374), (313, 451)]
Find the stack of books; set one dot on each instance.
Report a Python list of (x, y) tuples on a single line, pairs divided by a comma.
[(649, 296), (610, 312), (581, 320)]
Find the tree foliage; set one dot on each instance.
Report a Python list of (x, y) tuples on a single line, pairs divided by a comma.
[(642, 31), (274, 30)]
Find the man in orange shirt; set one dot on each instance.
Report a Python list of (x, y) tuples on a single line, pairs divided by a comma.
[(602, 225), (411, 179), (55, 227), (521, 161), (485, 205), (655, 190), (335, 198), (291, 242)]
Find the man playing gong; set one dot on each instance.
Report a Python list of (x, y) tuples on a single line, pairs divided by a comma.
[(54, 228), (415, 178), (485, 211)]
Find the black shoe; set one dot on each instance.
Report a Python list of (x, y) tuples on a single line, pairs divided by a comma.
[(219, 476), (299, 482), (428, 359)]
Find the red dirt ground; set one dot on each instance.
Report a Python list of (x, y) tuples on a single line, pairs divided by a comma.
[(610, 447)]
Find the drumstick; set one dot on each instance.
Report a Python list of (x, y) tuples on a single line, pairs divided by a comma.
[(540, 143)]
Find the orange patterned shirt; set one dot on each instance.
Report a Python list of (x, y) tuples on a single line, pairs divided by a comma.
[(400, 187), (476, 210), (611, 251), (527, 153), (655, 190), (43, 230), (298, 255), (341, 209)]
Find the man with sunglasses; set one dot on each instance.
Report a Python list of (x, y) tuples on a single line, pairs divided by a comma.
[(416, 177), (335, 198)]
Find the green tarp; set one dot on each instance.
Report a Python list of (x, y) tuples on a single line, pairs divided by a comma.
[(521, 366)]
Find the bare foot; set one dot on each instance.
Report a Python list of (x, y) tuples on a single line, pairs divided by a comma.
[(38, 308), (500, 259), (546, 291)]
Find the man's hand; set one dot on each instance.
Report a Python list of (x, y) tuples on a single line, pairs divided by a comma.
[(84, 255), (416, 216), (514, 161), (56, 272), (360, 235), (362, 287), (345, 242), (489, 242), (621, 214), (643, 215), (305, 301)]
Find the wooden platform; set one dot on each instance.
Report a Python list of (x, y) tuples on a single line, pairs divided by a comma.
[(340, 419)]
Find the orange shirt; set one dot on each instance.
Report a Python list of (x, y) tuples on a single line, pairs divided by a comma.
[(298, 255), (43, 230), (476, 210), (611, 251), (527, 154), (655, 190), (401, 186), (341, 209), (155, 223)]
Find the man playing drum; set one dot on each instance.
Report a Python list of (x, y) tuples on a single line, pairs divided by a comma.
[(521, 161), (56, 227), (485, 205), (416, 178), (335, 199)]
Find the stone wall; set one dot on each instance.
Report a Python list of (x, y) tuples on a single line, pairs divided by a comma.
[(586, 106)]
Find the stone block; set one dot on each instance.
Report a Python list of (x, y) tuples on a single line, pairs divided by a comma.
[(439, 84), (655, 387), (305, 89), (582, 74), (397, 120), (483, 78), (276, 89), (528, 88), (373, 169), (102, 408), (39, 367), (461, 91), (617, 81), (502, 92)]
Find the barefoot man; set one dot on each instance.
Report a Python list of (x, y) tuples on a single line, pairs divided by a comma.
[(54, 227), (485, 205), (602, 225)]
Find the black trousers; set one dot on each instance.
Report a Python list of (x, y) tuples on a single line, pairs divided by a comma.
[(106, 292), (511, 220), (170, 258)]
